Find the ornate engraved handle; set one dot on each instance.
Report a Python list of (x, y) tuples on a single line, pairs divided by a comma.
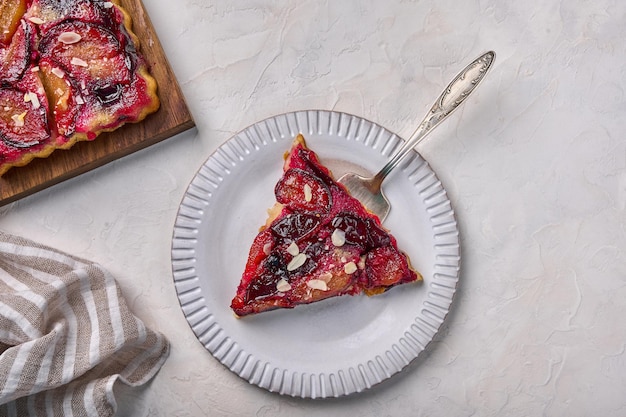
[(455, 93)]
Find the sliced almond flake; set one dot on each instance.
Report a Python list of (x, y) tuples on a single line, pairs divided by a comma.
[(26, 97), (7, 108), (35, 20), (338, 237), (361, 263), (296, 262), (58, 72), (308, 193), (58, 92), (18, 119), (34, 69), (79, 62), (107, 4), (69, 38), (350, 268), (326, 277), (34, 100), (293, 249), (317, 284), (283, 286), (267, 248), (79, 100)]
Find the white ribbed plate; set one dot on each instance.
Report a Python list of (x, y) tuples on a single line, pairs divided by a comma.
[(334, 347)]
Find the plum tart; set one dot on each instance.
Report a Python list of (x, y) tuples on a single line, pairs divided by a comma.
[(318, 242), (69, 70)]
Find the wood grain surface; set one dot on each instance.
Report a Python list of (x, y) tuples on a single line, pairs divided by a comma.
[(173, 117)]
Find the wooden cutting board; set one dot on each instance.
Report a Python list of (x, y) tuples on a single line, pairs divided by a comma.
[(173, 117)]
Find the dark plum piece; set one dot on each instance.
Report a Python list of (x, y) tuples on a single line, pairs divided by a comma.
[(275, 269), (376, 236), (312, 162), (23, 124), (107, 93), (263, 286), (52, 12), (90, 54), (295, 226), (361, 232), (314, 252), (15, 58), (354, 227), (300, 190)]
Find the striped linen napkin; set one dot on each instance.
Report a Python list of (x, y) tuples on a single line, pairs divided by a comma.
[(66, 335)]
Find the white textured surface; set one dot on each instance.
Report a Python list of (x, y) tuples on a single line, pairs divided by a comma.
[(534, 163)]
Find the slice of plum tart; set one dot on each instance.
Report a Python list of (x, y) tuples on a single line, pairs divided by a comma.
[(318, 242)]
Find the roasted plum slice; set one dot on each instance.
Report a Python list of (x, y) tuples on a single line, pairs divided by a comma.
[(49, 13), (23, 117), (300, 190), (363, 232), (261, 245), (274, 269), (11, 12), (15, 58), (354, 228), (108, 105), (384, 268), (89, 53), (295, 226), (101, 75), (262, 287), (65, 101)]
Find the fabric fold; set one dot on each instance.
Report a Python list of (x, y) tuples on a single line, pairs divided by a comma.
[(66, 334)]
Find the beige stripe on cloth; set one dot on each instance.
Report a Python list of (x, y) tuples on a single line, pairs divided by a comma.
[(66, 335)]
